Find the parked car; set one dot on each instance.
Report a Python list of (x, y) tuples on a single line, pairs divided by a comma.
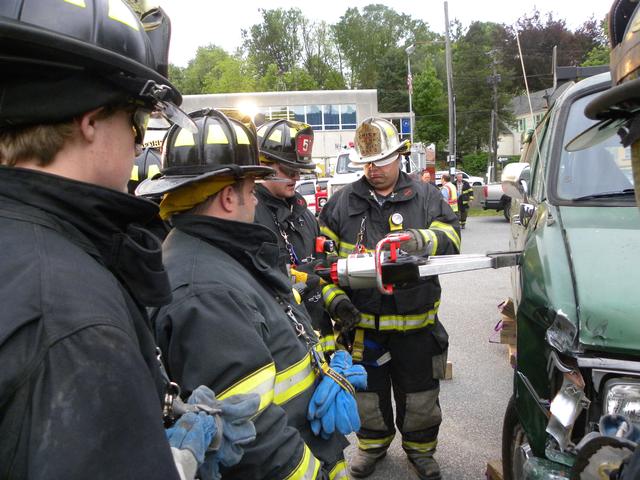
[(493, 197), (308, 188), (575, 291), (473, 181), (345, 171)]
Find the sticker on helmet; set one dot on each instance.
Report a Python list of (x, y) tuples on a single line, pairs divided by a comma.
[(368, 139), (304, 144)]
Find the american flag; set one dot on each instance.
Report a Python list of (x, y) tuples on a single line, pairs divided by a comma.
[(410, 83)]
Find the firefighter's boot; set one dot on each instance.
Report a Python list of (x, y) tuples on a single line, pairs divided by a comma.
[(363, 463), (425, 466)]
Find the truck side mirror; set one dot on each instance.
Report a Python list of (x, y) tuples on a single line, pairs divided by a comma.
[(515, 180)]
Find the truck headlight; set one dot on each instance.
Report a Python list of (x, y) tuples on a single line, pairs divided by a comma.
[(622, 396)]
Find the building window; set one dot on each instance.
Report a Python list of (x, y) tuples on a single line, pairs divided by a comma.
[(297, 113), (522, 124), (331, 117), (348, 117), (320, 117), (314, 116), (279, 112)]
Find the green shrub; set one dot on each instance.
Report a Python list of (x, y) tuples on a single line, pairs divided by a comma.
[(475, 163)]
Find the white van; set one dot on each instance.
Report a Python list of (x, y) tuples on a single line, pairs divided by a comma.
[(345, 171)]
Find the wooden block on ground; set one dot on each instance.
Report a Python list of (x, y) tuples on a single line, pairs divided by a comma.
[(506, 337), (513, 355), (448, 374), (494, 470), (508, 331), (507, 309)]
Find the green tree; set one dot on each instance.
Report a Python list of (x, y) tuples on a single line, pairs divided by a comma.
[(276, 40), (430, 106), (213, 70), (364, 38), (230, 75), (393, 94), (474, 56), (599, 54), (320, 55), (176, 76), (475, 163), (538, 36)]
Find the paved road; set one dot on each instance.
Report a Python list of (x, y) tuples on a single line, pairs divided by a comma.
[(473, 403)]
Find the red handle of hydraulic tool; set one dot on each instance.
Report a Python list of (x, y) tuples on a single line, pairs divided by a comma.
[(393, 241)]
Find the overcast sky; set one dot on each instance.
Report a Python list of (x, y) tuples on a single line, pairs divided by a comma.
[(220, 22)]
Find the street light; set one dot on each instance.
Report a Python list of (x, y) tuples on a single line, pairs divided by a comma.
[(410, 49)]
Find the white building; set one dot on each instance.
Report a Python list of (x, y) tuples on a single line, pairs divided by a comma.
[(510, 143), (333, 114)]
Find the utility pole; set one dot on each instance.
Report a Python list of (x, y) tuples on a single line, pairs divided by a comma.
[(410, 49), (451, 160), (493, 80)]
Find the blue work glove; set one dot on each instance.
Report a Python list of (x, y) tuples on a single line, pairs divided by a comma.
[(331, 407), (357, 376), (347, 418), (235, 414), (326, 391), (193, 432), (328, 421), (323, 396)]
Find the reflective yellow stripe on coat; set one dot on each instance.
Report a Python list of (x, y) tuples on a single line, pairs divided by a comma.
[(327, 232), (261, 382), (400, 323), (292, 381), (448, 230), (328, 343)]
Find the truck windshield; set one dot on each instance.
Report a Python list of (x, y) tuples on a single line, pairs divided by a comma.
[(602, 171), (343, 165)]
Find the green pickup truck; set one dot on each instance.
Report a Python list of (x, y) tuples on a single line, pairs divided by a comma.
[(575, 290)]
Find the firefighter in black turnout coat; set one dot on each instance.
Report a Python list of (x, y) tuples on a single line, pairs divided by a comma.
[(233, 323), (81, 391), (399, 338), (286, 147), (465, 197)]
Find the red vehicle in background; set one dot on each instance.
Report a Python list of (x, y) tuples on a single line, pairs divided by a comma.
[(314, 192), (322, 195)]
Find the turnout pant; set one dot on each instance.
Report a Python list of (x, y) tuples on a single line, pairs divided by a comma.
[(462, 213), (418, 362)]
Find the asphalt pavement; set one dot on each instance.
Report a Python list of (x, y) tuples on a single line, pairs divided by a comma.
[(474, 401)]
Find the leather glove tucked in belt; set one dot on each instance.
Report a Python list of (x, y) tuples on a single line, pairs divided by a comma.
[(422, 241), (235, 415), (189, 438)]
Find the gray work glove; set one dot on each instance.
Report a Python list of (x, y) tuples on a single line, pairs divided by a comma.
[(421, 242)]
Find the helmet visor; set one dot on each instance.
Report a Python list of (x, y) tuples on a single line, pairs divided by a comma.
[(176, 115), (378, 163)]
